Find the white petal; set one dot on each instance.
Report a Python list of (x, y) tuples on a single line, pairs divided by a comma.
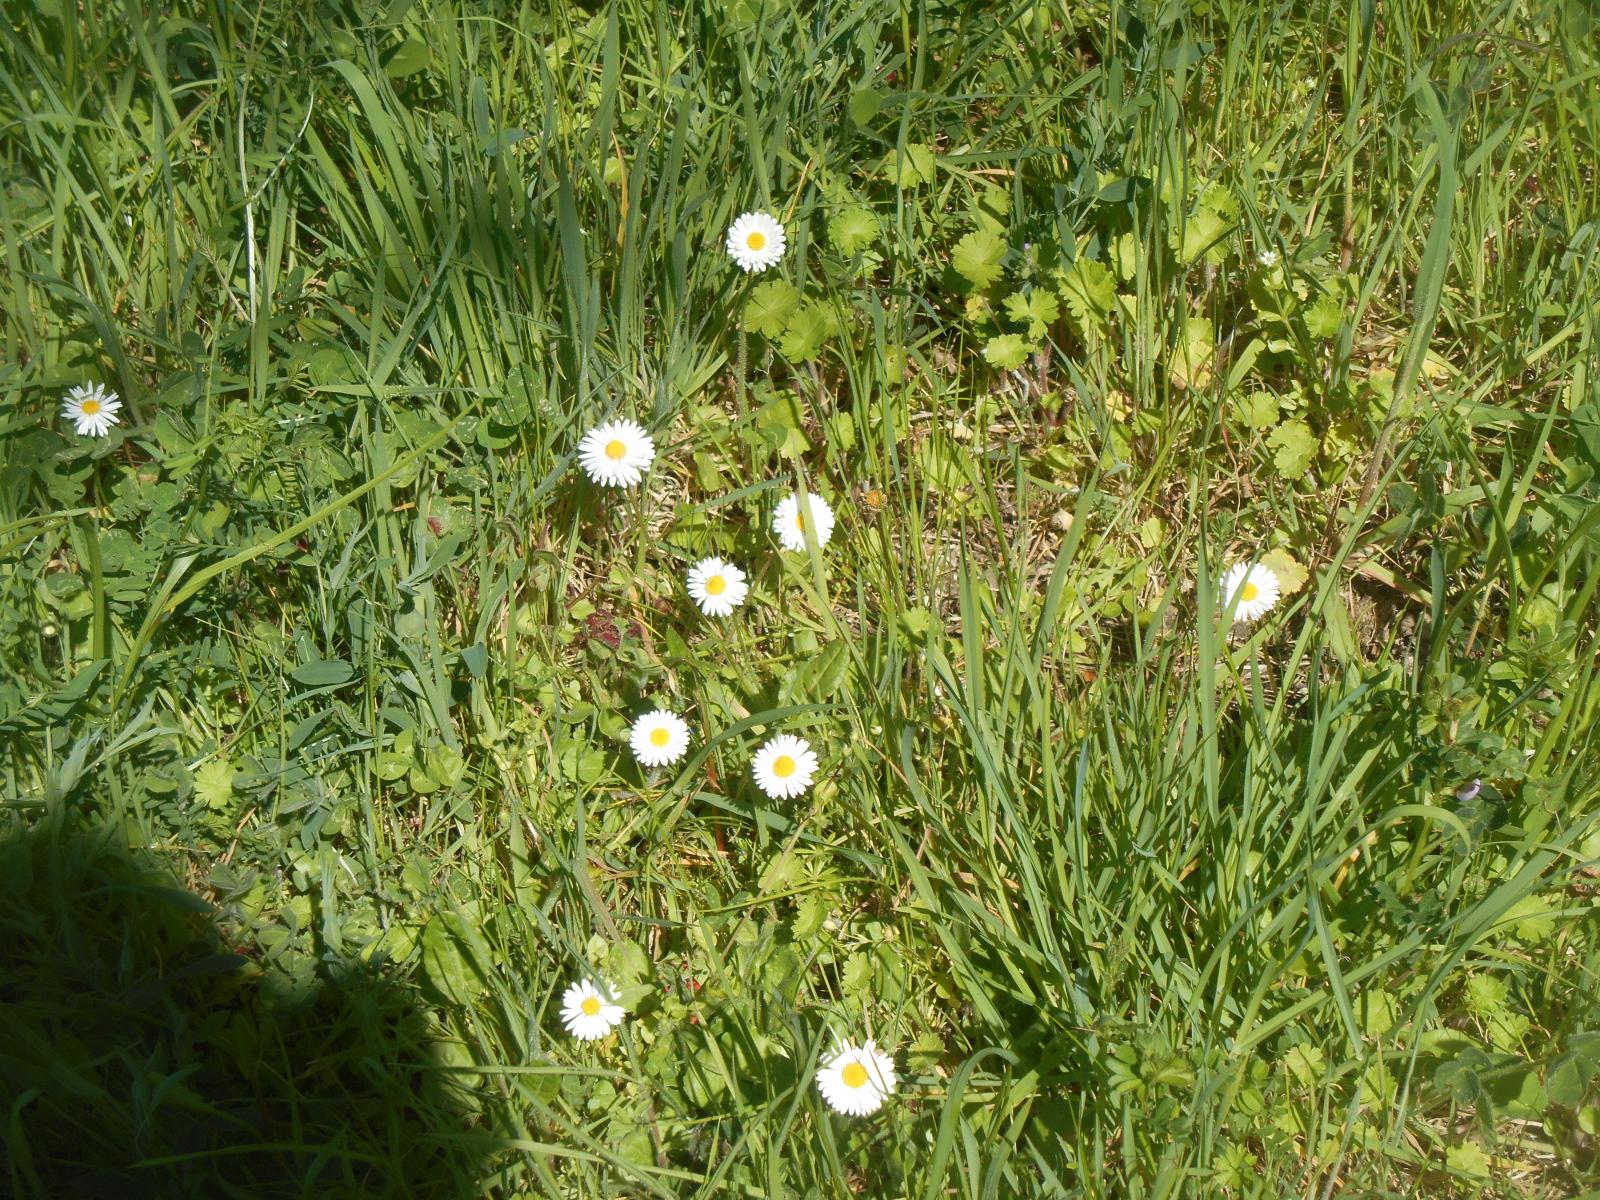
[(770, 235)]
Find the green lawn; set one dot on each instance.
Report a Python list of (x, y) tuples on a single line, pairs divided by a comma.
[(319, 668)]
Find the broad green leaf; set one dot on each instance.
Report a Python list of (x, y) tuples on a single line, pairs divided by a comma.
[(1294, 447), (810, 914), (853, 229), (977, 257), (324, 672), (990, 209), (770, 307), (780, 422), (1305, 1062), (865, 104), (809, 329), (1006, 352), (1036, 309), (213, 783), (1257, 410), (1291, 575), (1190, 366), (409, 57), (1323, 317), (391, 766), (916, 165), (445, 962), (1202, 232), (1125, 256), (1221, 200), (1089, 291)]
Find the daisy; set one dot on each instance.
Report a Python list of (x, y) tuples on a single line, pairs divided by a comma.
[(789, 522), (1250, 589), (590, 1011), (659, 738), (616, 454), (784, 767), (93, 409), (755, 241), (718, 587), (856, 1082)]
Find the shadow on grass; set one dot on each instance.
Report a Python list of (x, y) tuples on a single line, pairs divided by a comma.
[(139, 1056)]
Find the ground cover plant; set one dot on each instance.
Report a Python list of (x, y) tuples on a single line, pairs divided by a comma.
[(1171, 772)]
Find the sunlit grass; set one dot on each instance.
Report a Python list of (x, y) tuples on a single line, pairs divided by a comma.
[(1078, 308)]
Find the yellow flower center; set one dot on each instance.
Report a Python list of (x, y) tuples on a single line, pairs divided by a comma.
[(591, 1006), (755, 239), (854, 1075), (783, 766), (616, 448), (90, 407), (1249, 592), (659, 736), (800, 522), (716, 585)]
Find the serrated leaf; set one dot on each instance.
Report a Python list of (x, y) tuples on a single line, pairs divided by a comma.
[(853, 229), (1305, 1062), (213, 783), (1323, 317), (1006, 352), (780, 422), (1291, 575), (916, 622), (977, 257), (858, 974), (1257, 410), (1202, 232), (1089, 291), (1486, 995), (1379, 1013), (1469, 1158), (1036, 310), (770, 307), (1190, 366), (1222, 201), (809, 916), (1293, 448), (808, 330), (781, 873), (916, 165)]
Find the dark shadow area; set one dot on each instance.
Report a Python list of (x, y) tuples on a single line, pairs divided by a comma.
[(140, 1057)]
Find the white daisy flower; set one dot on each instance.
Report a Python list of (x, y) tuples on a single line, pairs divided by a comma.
[(856, 1081), (659, 738), (755, 241), (616, 454), (92, 409), (718, 587), (590, 1011), (789, 522), (1268, 259), (784, 767), (1250, 589)]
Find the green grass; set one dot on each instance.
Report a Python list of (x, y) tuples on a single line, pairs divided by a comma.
[(319, 669)]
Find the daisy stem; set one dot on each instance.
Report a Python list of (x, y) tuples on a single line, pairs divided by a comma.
[(739, 368)]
